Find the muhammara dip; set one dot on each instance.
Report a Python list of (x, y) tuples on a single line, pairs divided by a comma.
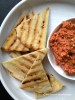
[(62, 44)]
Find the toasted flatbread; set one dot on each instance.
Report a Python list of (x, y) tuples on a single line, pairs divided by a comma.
[(32, 32), (30, 15), (12, 43), (18, 46), (20, 27), (21, 18), (56, 86), (12, 35), (36, 79), (19, 67), (15, 54)]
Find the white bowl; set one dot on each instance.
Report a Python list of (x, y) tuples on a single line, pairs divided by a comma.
[(51, 57)]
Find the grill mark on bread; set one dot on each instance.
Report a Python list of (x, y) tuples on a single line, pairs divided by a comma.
[(27, 30), (17, 46), (41, 52), (14, 44), (35, 35), (11, 44), (31, 14), (31, 31), (37, 65), (24, 48), (35, 73), (43, 26), (24, 64), (21, 65), (42, 81), (32, 55), (21, 18), (16, 68), (17, 42), (29, 22), (35, 31), (22, 28), (27, 17), (29, 60), (38, 34), (28, 81), (11, 73), (8, 40), (20, 22)]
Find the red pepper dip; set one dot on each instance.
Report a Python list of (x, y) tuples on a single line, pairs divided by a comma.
[(62, 43)]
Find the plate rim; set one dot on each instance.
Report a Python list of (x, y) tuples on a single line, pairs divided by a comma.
[(2, 25)]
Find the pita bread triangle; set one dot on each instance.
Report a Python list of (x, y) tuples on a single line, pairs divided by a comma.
[(15, 54), (19, 67), (56, 86), (34, 30), (12, 43), (36, 79), (12, 35), (17, 45)]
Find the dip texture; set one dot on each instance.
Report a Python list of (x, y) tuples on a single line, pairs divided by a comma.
[(62, 44)]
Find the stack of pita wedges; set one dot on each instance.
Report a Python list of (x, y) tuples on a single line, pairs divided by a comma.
[(26, 43), (28, 34), (29, 70)]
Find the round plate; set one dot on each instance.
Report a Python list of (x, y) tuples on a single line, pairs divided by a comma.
[(59, 11)]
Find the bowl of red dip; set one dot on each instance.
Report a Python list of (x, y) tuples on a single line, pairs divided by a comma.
[(61, 44)]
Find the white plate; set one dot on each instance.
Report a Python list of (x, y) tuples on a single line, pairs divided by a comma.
[(59, 11), (51, 58)]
